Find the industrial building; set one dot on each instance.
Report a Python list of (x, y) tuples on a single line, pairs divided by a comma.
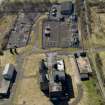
[(52, 78), (66, 8), (59, 12), (20, 33), (60, 30), (84, 67), (57, 78)]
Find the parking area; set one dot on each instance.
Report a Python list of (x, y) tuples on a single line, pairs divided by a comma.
[(20, 33), (60, 30), (58, 36), (61, 35)]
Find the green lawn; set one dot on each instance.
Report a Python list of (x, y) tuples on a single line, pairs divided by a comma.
[(94, 98)]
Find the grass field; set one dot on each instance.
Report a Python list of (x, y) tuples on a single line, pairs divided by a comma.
[(101, 65), (28, 90), (92, 86), (92, 97), (7, 58), (98, 28), (97, 38)]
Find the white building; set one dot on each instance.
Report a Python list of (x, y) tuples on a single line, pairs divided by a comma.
[(8, 71)]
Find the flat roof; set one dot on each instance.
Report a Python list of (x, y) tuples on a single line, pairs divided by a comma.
[(8, 69), (60, 65), (55, 87), (84, 65), (4, 86), (66, 5)]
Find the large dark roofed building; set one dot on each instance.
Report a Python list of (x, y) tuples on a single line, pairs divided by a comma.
[(53, 81), (66, 8)]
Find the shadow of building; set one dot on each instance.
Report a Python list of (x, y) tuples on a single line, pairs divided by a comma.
[(68, 92)]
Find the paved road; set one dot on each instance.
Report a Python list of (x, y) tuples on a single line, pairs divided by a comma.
[(66, 52)]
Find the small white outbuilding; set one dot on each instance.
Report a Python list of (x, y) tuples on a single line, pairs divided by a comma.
[(8, 71), (60, 65)]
